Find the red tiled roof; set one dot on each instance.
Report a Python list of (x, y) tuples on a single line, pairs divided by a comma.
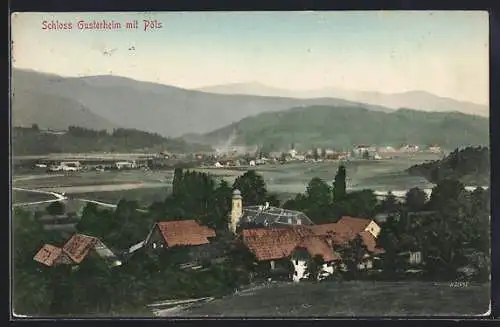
[(318, 246), (357, 225), (271, 244), (278, 243), (48, 255), (79, 246), (370, 242), (184, 232)]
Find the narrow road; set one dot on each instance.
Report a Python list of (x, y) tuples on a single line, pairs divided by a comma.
[(58, 197), (61, 197)]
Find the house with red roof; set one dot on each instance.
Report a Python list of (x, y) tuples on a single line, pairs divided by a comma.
[(176, 233), (300, 244)]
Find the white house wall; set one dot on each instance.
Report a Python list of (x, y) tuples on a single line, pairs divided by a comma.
[(300, 267), (300, 270), (373, 228)]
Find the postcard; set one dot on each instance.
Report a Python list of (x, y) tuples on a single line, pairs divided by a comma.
[(250, 164)]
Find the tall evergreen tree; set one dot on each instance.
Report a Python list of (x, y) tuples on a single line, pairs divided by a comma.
[(339, 185), (176, 183)]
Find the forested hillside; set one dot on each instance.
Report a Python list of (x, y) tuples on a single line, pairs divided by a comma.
[(28, 141), (470, 166), (338, 126)]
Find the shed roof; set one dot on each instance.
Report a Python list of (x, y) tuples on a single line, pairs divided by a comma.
[(48, 254), (78, 246), (184, 232)]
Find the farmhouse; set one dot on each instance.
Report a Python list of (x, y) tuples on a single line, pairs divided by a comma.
[(168, 234), (296, 245), (286, 235), (76, 249), (300, 244)]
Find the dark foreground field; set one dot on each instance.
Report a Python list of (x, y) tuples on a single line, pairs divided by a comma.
[(351, 299), (26, 196)]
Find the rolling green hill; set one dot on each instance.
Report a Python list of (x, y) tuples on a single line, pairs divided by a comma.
[(470, 165), (342, 127), (31, 141)]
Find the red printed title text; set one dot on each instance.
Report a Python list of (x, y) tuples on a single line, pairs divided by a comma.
[(145, 25)]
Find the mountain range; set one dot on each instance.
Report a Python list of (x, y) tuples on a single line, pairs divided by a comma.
[(108, 102), (413, 99), (53, 101)]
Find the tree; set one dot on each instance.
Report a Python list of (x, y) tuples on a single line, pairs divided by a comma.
[(55, 208), (299, 202), (415, 199), (339, 184), (35, 127), (318, 195), (177, 181), (360, 204), (352, 254), (318, 191), (221, 206), (252, 188), (389, 204), (314, 268), (445, 191)]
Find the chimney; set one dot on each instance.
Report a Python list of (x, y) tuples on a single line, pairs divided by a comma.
[(236, 211)]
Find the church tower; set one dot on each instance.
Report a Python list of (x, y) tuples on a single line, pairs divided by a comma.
[(236, 211)]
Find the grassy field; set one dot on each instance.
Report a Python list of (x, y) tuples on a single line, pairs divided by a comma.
[(91, 178), (287, 180), (144, 196), (351, 299), (25, 196), (381, 175)]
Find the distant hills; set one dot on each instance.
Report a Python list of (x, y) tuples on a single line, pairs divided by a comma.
[(341, 127), (52, 111), (99, 102), (414, 99), (31, 141)]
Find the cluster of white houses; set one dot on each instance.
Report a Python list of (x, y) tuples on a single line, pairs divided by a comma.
[(282, 235)]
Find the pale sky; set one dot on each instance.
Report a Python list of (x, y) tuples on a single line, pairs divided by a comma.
[(445, 53)]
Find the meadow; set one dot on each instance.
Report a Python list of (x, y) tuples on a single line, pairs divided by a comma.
[(285, 180), (351, 299), (19, 196)]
